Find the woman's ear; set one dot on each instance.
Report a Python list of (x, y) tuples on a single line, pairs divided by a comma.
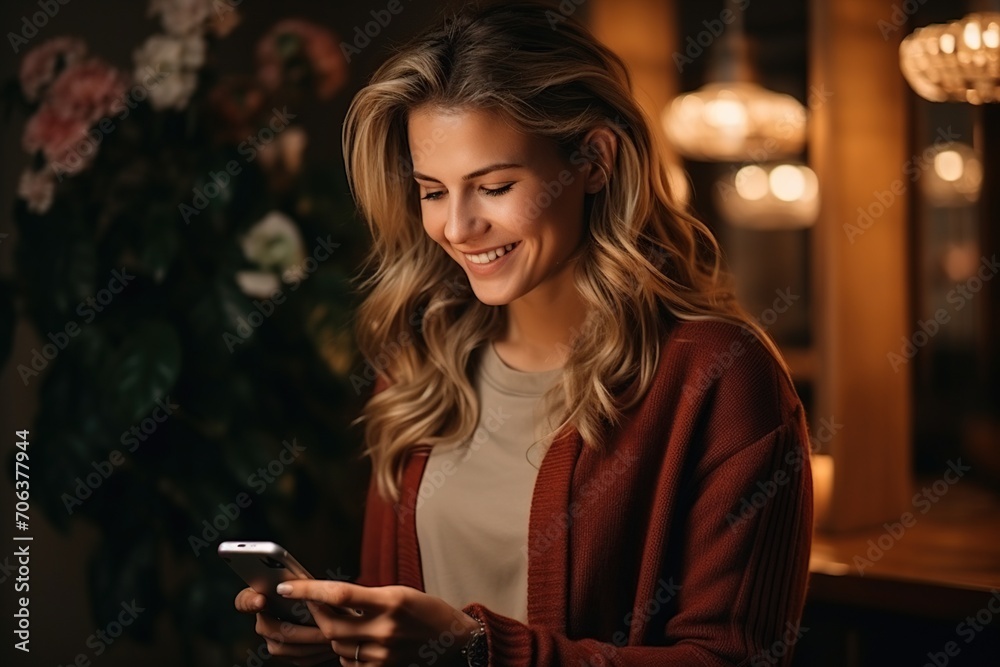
[(600, 146)]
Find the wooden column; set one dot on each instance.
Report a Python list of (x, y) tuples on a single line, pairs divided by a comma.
[(858, 148), (644, 34)]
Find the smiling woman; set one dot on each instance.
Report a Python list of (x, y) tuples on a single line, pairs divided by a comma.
[(480, 211), (580, 405)]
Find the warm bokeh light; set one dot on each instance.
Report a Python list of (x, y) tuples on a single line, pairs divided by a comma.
[(991, 36), (949, 165), (953, 177), (769, 196), (947, 43), (751, 183), (787, 182), (955, 62), (726, 113), (971, 35), (735, 121)]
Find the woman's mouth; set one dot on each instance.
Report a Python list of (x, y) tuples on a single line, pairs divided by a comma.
[(491, 255)]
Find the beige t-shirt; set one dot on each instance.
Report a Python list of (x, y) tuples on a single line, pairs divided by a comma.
[(474, 499)]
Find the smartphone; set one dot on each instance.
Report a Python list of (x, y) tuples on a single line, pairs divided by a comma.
[(264, 565)]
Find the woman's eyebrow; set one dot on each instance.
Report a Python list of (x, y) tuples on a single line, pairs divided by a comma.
[(476, 174)]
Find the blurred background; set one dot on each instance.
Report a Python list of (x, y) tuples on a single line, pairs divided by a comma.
[(177, 249)]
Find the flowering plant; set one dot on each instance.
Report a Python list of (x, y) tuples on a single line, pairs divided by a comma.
[(188, 271)]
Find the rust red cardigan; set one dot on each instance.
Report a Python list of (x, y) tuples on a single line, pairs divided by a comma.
[(687, 544)]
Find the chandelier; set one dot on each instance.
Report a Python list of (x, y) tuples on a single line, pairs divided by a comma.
[(733, 119), (955, 62)]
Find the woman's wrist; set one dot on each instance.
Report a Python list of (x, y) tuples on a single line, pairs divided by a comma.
[(472, 643)]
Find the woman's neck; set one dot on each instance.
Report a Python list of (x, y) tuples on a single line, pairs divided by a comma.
[(541, 325)]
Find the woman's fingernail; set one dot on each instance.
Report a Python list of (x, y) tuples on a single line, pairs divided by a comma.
[(284, 589)]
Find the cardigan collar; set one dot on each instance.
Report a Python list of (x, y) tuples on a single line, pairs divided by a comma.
[(548, 531)]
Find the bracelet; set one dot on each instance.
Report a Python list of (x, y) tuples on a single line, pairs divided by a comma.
[(475, 650)]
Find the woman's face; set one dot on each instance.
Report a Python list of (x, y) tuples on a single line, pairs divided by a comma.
[(508, 207)]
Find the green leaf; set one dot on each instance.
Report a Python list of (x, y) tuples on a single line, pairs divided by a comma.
[(142, 370), (124, 582), (160, 246)]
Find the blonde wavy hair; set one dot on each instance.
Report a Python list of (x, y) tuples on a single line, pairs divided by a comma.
[(646, 264)]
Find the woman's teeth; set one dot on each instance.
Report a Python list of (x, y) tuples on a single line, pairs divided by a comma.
[(487, 257)]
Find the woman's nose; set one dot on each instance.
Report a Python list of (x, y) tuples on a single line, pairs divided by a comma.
[(464, 223)]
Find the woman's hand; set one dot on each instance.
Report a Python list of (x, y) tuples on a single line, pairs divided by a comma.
[(398, 625), (299, 644)]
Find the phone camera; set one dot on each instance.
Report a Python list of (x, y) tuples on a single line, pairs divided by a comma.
[(270, 562)]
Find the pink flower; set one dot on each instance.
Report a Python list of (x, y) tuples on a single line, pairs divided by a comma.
[(82, 95), (42, 64), (58, 137), (90, 91), (293, 43)]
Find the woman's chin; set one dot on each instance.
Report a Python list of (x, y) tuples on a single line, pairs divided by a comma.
[(489, 297)]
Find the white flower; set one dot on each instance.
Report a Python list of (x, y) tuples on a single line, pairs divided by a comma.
[(37, 188), (182, 17), (257, 284), (274, 243), (176, 60)]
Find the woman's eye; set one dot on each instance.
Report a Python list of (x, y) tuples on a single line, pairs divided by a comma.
[(432, 196), (498, 191)]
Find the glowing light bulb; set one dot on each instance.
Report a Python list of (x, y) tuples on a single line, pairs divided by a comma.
[(991, 36), (949, 165), (971, 35), (947, 43), (729, 114), (751, 183), (787, 182)]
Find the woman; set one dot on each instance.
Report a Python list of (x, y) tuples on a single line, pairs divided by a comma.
[(655, 508)]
